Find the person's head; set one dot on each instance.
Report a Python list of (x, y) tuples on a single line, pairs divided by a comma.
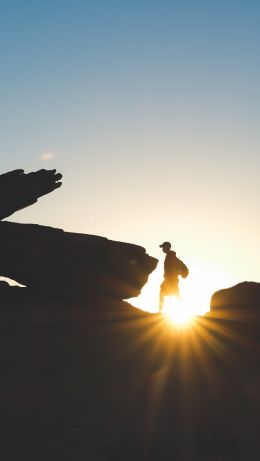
[(166, 247)]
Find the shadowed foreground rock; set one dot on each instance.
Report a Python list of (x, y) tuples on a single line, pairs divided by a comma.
[(100, 380)]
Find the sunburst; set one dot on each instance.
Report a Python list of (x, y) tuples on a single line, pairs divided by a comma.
[(177, 312)]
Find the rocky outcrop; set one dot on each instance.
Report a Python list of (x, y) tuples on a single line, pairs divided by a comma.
[(52, 261), (66, 264), (19, 190), (242, 300)]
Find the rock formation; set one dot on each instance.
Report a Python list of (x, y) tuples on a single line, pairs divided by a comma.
[(69, 264), (64, 263), (240, 301), (19, 190)]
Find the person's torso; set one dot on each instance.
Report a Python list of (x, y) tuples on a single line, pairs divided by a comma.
[(171, 265)]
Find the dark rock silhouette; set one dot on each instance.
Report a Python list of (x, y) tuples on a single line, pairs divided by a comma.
[(235, 312), (19, 190), (69, 264), (85, 376), (242, 300), (64, 263), (101, 380)]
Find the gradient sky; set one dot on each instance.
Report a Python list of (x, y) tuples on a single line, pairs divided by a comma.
[(150, 109)]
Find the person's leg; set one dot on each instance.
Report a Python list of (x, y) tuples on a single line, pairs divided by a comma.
[(161, 302), (161, 298)]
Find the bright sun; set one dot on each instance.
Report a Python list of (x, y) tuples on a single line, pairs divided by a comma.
[(177, 312), (196, 291)]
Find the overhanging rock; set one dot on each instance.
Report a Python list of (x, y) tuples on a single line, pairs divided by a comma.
[(70, 264)]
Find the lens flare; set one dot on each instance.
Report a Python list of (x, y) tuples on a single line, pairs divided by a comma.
[(177, 312)]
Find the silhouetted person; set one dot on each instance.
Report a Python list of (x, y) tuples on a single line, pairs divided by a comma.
[(173, 267)]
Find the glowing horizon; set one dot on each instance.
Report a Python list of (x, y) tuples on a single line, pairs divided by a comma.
[(195, 291)]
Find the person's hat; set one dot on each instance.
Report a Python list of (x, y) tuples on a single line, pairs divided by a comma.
[(165, 244)]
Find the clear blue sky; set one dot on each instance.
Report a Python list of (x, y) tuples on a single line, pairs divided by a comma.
[(150, 109)]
